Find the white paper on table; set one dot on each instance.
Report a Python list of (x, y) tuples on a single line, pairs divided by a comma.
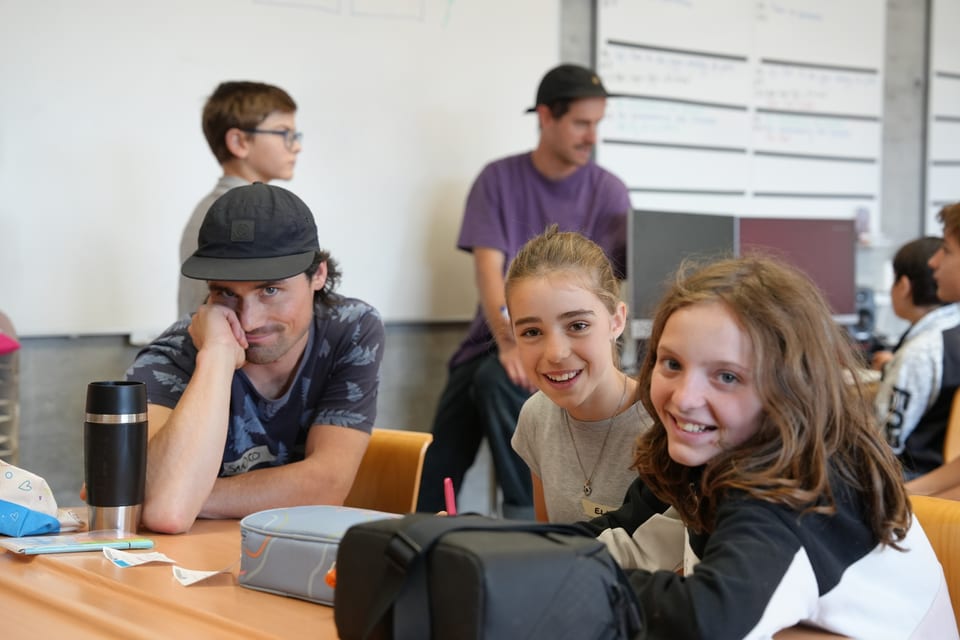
[(69, 519), (126, 559), (187, 577)]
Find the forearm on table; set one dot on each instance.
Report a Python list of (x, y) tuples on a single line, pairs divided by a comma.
[(284, 486), (324, 476), (185, 451)]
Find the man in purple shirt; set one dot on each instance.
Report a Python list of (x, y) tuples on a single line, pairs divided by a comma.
[(512, 200)]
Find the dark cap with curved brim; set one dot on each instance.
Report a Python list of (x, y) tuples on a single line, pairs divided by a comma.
[(568, 81), (257, 232)]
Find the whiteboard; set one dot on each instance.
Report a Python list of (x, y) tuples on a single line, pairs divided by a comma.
[(102, 159), (762, 108), (943, 118)]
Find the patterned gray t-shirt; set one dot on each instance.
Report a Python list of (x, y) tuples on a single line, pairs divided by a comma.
[(336, 384)]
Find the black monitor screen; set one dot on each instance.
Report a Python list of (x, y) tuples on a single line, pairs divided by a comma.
[(824, 249), (660, 240)]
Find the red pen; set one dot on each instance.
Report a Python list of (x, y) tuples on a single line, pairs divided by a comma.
[(449, 497)]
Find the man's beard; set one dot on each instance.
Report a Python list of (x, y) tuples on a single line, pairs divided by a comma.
[(268, 353)]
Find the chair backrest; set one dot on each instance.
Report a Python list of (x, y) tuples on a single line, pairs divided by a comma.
[(389, 475), (951, 440), (940, 519)]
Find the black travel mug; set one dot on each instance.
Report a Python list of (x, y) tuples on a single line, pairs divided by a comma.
[(115, 454)]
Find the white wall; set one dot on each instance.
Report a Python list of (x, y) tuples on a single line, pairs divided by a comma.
[(102, 158)]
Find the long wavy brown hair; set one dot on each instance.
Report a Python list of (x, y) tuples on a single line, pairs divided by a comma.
[(816, 425)]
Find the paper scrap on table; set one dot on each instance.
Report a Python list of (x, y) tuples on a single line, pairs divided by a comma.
[(126, 559), (69, 520), (187, 577)]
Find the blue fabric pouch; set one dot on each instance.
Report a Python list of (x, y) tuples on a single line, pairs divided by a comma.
[(27, 505), (17, 521)]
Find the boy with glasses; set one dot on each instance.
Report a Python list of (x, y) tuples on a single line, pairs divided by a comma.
[(251, 130)]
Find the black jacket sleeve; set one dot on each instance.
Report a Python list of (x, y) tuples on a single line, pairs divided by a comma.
[(638, 505)]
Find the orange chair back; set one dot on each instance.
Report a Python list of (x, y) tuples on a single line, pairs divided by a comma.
[(940, 519), (951, 440), (388, 478)]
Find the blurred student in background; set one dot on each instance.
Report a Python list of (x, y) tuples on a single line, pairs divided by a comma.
[(922, 373), (251, 129), (945, 480)]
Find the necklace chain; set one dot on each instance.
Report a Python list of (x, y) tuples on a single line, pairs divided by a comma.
[(588, 480)]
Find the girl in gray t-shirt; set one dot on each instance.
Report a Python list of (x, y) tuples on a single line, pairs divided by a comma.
[(577, 433)]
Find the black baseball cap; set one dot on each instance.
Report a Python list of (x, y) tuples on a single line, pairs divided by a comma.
[(568, 81), (255, 232)]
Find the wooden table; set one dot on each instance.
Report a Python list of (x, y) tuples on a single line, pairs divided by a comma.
[(83, 595)]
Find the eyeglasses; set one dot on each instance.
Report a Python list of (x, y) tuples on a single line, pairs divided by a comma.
[(290, 137)]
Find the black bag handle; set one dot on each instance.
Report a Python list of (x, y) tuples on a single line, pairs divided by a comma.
[(418, 535)]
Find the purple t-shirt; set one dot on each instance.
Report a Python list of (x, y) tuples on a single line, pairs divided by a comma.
[(511, 202)]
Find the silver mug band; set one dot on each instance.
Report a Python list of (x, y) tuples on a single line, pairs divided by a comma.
[(125, 518), (115, 418)]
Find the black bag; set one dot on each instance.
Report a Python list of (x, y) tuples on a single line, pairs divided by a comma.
[(471, 577)]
